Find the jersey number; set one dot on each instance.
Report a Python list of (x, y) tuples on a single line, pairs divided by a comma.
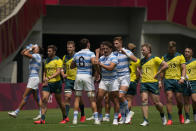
[(189, 71), (173, 65), (81, 61)]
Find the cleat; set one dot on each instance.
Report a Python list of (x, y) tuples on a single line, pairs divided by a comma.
[(145, 123), (13, 114), (115, 122), (97, 122), (122, 120), (169, 122), (75, 121), (90, 118), (63, 122), (129, 116), (119, 117), (82, 119), (187, 121), (39, 122), (67, 119), (164, 120), (37, 117), (106, 119), (181, 119)]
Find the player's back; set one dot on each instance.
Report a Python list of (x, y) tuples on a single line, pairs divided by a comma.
[(34, 65), (83, 61)]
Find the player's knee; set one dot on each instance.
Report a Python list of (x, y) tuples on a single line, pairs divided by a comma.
[(78, 93), (91, 94), (144, 103)]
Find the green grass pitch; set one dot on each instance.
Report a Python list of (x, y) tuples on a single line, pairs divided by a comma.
[(24, 122)]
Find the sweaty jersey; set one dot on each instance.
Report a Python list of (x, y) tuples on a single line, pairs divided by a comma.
[(191, 69), (150, 68), (51, 66), (133, 69), (71, 73), (107, 60), (35, 65), (83, 61), (123, 62), (174, 65)]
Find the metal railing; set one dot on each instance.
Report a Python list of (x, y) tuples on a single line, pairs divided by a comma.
[(6, 7)]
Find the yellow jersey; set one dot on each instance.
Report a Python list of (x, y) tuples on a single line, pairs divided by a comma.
[(191, 69), (174, 65), (71, 73), (133, 69), (51, 66), (150, 68)]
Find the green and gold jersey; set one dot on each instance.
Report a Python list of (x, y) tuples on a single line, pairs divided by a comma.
[(71, 73), (133, 69), (174, 65), (150, 68), (191, 69), (51, 66)]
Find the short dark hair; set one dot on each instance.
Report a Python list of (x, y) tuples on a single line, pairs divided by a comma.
[(148, 46), (118, 38), (71, 43), (83, 43), (107, 43), (171, 44), (41, 50), (53, 47)]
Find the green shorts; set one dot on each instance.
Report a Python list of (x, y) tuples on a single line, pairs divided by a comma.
[(189, 88), (69, 84), (150, 87), (53, 87), (132, 90), (172, 85)]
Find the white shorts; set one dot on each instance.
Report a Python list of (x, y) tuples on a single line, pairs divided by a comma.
[(109, 85), (123, 81), (33, 83), (84, 82)]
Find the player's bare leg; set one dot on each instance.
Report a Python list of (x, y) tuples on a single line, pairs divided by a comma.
[(179, 100), (187, 109)]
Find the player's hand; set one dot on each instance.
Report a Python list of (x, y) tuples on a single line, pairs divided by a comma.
[(64, 76), (97, 51), (156, 76), (122, 51), (97, 77), (160, 84), (96, 62), (45, 84), (181, 81)]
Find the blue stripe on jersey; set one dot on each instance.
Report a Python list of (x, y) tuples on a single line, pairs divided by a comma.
[(83, 61), (124, 61), (34, 65), (106, 60)]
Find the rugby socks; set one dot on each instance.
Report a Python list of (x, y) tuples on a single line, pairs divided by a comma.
[(82, 109), (95, 114), (40, 111), (169, 116), (115, 115), (122, 111), (145, 119), (187, 115), (162, 115), (17, 111), (43, 117), (107, 115), (194, 111), (75, 115), (67, 107), (125, 106)]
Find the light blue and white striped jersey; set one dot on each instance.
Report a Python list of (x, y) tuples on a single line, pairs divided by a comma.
[(123, 62), (83, 61), (106, 74), (35, 65)]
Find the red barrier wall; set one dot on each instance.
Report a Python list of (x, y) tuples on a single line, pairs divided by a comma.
[(14, 31), (11, 95)]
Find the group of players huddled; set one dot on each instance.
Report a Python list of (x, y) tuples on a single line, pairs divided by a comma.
[(119, 72)]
